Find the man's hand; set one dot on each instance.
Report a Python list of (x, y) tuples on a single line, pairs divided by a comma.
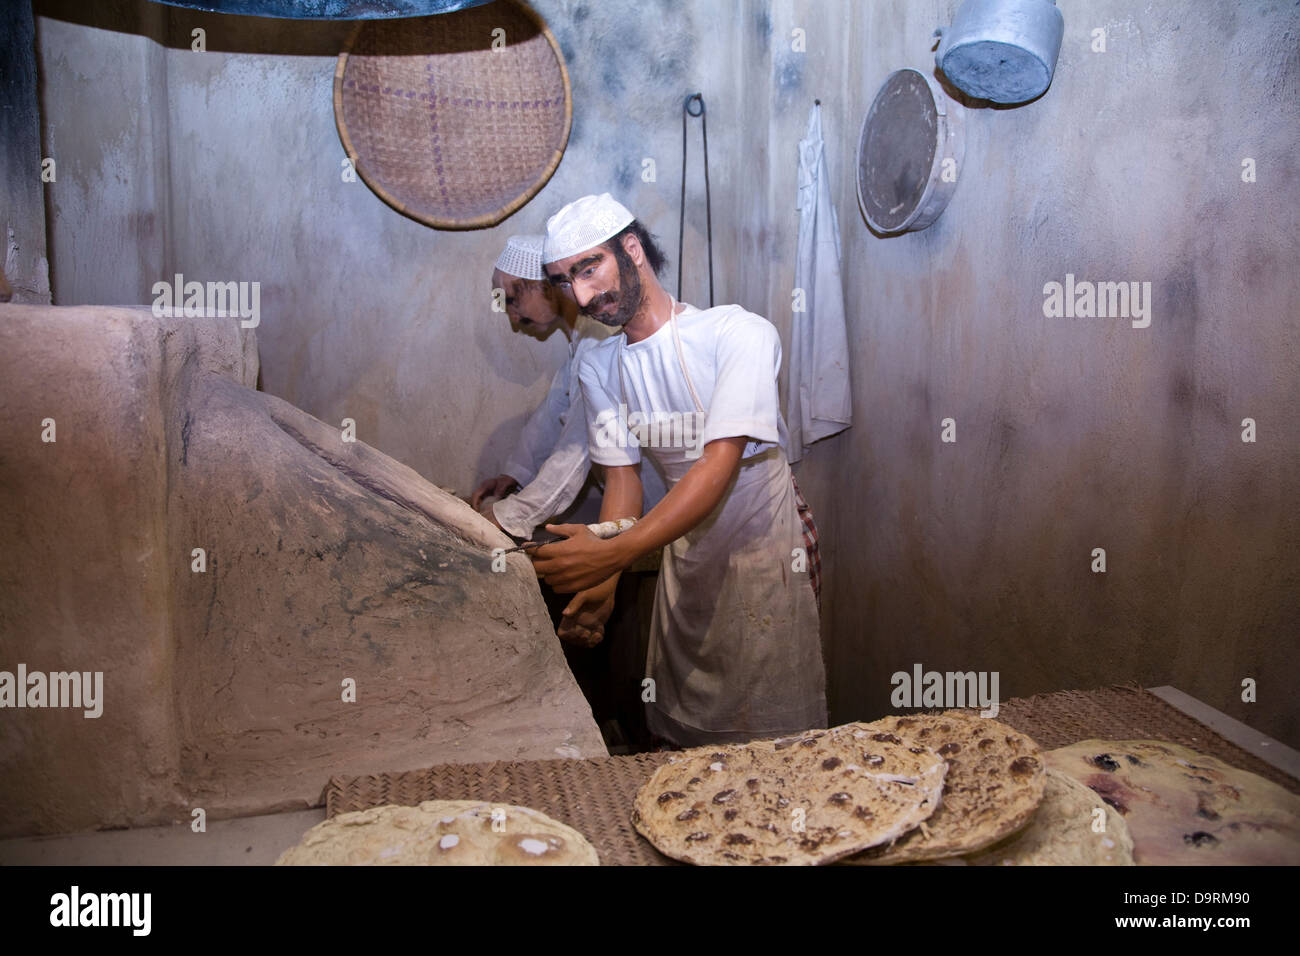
[(487, 512), (582, 561), (584, 619), (497, 487)]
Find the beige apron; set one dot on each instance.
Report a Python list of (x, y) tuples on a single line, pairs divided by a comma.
[(734, 646)]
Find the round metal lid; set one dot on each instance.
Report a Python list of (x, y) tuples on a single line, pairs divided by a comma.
[(896, 153)]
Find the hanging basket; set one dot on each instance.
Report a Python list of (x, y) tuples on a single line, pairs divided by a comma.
[(455, 120)]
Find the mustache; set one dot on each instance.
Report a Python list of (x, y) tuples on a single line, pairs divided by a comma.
[(599, 302)]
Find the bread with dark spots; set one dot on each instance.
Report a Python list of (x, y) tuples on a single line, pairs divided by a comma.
[(1064, 831), (807, 799), (995, 781), (1186, 808)]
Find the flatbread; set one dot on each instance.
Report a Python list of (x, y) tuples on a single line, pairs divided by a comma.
[(995, 781), (736, 804), (441, 833), (1186, 808), (1061, 832)]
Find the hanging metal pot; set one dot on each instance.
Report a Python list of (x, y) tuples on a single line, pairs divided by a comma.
[(1002, 50)]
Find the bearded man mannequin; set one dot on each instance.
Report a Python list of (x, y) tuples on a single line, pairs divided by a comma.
[(735, 652)]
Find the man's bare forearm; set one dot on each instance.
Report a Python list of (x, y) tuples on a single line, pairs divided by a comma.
[(583, 560), (687, 503), (622, 498)]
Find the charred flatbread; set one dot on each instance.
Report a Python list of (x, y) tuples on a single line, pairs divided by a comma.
[(995, 781), (807, 799)]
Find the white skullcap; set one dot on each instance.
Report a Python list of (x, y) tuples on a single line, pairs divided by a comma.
[(582, 224), (522, 257)]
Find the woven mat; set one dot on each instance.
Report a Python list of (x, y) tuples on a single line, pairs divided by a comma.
[(595, 796), (455, 120)]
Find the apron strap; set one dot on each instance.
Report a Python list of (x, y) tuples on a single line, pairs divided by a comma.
[(622, 388), (681, 361)]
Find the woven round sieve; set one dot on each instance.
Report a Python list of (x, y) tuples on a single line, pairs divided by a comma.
[(455, 120)]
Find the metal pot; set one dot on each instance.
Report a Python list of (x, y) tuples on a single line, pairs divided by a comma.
[(1002, 50)]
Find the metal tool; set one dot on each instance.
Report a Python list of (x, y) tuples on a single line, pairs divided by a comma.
[(694, 100), (603, 530)]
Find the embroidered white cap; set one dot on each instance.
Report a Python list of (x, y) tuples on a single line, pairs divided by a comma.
[(522, 257), (582, 224)]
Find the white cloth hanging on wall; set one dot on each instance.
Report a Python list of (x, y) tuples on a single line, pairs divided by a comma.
[(820, 403)]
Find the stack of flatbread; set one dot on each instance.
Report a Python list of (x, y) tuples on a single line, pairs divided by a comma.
[(1071, 827), (951, 787), (807, 799), (996, 779), (442, 833)]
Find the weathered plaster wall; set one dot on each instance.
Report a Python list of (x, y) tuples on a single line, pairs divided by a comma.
[(1073, 434), (22, 201), (225, 165)]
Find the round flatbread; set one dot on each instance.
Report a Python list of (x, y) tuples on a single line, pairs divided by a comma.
[(442, 833), (995, 781), (807, 799), (1065, 830), (1186, 808)]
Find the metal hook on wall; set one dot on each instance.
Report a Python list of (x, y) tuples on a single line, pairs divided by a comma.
[(689, 109)]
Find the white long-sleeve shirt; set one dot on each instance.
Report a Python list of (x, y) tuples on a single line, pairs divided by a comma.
[(551, 460)]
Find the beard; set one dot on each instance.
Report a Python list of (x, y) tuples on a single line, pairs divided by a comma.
[(627, 298)]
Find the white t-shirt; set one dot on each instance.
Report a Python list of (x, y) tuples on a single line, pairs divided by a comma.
[(733, 357), (734, 649)]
